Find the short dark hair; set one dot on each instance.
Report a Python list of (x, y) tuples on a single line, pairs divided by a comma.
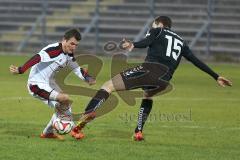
[(73, 33), (165, 20)]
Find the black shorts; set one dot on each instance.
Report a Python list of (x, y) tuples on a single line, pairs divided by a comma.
[(151, 77)]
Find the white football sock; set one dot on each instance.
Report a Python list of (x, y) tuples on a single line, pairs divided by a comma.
[(49, 129), (66, 114)]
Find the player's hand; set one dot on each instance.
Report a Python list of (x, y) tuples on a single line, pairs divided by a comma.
[(222, 81), (91, 80), (127, 45), (13, 69)]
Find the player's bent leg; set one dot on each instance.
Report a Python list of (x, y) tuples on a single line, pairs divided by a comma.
[(64, 105), (53, 99), (63, 98), (89, 114), (100, 97), (77, 130), (77, 133), (48, 131), (108, 86), (115, 84), (144, 111), (45, 93), (64, 111)]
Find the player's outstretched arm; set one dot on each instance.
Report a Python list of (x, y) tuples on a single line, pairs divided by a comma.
[(88, 78), (127, 45), (222, 81), (82, 73), (150, 37), (31, 62)]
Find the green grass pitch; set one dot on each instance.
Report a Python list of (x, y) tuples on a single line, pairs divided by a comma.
[(198, 120)]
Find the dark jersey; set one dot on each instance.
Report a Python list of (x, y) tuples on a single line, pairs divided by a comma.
[(167, 47)]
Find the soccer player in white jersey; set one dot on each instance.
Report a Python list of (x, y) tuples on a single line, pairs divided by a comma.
[(41, 83)]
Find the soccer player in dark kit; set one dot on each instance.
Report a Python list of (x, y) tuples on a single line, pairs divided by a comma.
[(165, 50)]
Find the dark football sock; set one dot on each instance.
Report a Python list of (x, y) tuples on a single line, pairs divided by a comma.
[(143, 114), (101, 96)]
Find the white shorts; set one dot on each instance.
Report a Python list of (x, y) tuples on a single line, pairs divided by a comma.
[(44, 92)]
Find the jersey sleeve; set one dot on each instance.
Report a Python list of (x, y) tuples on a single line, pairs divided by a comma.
[(187, 53), (77, 70), (48, 57), (51, 52), (150, 37), (31, 62), (47, 54)]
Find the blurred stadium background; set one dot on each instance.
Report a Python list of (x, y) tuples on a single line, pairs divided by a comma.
[(210, 26)]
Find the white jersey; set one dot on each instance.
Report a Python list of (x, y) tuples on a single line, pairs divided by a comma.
[(52, 60)]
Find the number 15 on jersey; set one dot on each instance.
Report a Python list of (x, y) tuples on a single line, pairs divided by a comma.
[(174, 47)]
